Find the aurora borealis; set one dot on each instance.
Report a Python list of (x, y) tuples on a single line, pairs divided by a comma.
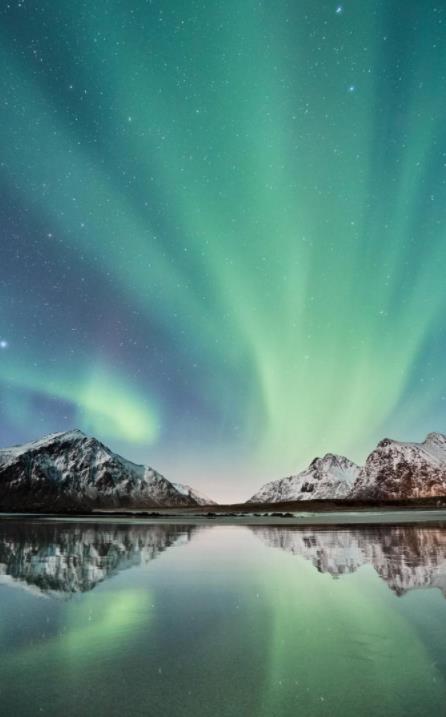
[(223, 237)]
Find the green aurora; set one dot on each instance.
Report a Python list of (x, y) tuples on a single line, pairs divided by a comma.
[(223, 229)]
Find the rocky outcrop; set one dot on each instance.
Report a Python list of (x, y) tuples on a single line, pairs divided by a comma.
[(396, 470)]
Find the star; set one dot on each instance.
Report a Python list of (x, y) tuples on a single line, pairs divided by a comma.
[(352, 88), (339, 10), (3, 344)]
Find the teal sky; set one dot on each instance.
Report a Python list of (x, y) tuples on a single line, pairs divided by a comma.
[(223, 238)]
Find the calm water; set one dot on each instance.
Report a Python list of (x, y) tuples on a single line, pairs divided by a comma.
[(173, 620)]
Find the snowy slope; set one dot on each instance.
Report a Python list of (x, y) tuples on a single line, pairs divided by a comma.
[(199, 498), (404, 470), (325, 478), (71, 471)]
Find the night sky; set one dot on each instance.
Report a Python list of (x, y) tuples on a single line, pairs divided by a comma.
[(223, 229)]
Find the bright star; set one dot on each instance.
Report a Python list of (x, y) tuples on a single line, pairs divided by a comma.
[(3, 344), (352, 88)]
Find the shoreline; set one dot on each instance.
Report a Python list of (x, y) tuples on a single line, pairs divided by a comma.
[(306, 519)]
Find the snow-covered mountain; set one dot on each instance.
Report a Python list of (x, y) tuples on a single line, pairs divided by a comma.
[(195, 495), (70, 470), (328, 477), (393, 471), (405, 557), (396, 470)]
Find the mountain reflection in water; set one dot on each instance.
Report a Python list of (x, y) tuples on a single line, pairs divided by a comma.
[(405, 557), (68, 558)]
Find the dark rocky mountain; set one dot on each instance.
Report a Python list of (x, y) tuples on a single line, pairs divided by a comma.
[(396, 470), (72, 471)]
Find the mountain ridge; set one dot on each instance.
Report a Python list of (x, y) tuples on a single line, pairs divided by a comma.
[(394, 470), (73, 471)]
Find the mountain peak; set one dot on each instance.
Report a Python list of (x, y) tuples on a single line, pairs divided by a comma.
[(329, 477), (332, 459), (48, 440), (72, 434), (385, 442), (436, 438)]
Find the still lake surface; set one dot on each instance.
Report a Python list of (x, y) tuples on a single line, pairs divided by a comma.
[(222, 620)]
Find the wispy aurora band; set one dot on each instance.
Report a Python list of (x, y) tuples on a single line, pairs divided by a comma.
[(285, 234)]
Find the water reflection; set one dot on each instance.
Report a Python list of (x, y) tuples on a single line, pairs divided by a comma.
[(62, 559), (73, 558), (405, 557)]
